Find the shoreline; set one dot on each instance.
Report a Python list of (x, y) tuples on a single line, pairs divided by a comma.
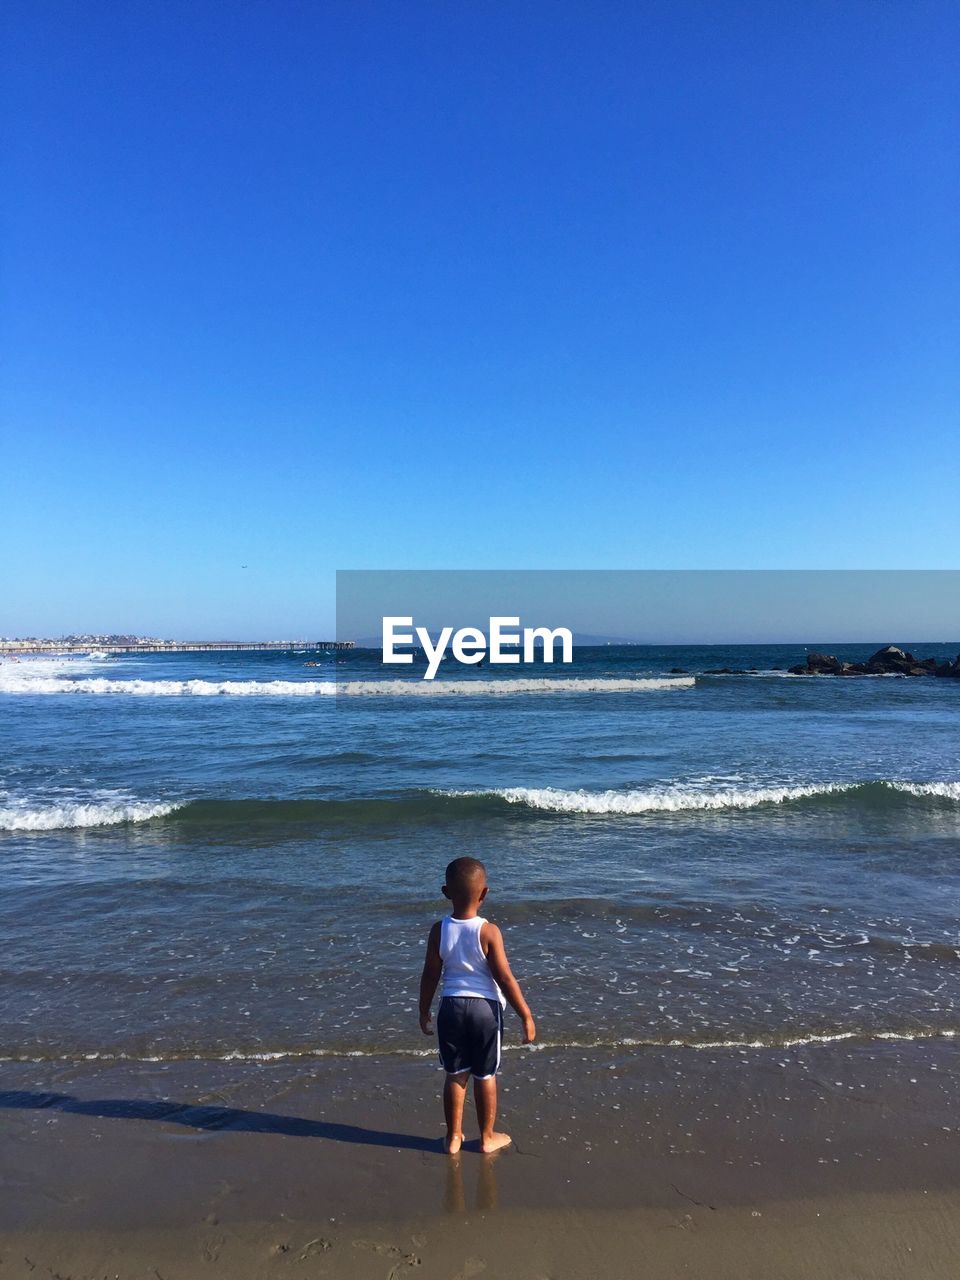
[(512, 1053), (774, 1158)]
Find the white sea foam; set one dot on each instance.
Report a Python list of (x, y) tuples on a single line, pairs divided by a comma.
[(484, 688), (11, 683), (106, 809), (37, 666), (663, 799), (680, 798), (771, 1043), (944, 790), (14, 680)]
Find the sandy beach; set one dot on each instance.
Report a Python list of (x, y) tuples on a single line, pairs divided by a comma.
[(826, 1160)]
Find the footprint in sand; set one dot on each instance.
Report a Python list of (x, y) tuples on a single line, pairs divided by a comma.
[(211, 1248), (403, 1260), (320, 1245)]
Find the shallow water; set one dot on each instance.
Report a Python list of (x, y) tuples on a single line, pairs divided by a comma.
[(222, 855)]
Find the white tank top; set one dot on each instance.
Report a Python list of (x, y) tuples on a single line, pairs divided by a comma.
[(465, 968)]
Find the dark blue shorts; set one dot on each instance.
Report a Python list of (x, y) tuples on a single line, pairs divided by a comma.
[(470, 1029)]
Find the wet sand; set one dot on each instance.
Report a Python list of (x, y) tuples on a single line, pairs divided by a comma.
[(829, 1160)]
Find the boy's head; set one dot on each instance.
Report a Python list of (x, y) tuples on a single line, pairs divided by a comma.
[(465, 882)]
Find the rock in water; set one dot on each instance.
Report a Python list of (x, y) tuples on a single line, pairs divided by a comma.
[(893, 661), (888, 661), (891, 653), (818, 664)]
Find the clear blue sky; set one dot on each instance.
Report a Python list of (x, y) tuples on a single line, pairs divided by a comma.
[(341, 285)]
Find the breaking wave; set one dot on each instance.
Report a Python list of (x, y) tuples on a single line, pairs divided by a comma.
[(942, 790), (257, 818), (67, 815), (100, 685), (675, 799), (13, 680)]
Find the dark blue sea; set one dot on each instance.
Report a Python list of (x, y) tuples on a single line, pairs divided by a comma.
[(219, 856)]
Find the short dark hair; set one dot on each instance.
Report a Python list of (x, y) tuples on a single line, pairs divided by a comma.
[(462, 874)]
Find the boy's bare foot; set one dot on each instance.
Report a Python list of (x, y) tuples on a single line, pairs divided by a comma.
[(452, 1145), (495, 1142)]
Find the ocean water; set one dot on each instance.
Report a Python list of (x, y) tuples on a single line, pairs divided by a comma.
[(239, 856)]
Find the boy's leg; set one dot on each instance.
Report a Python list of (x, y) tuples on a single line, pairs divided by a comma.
[(454, 1094), (485, 1096)]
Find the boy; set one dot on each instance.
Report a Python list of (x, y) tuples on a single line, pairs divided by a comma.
[(468, 952)]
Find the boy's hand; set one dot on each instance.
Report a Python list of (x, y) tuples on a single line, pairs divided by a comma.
[(529, 1029), (426, 1024)]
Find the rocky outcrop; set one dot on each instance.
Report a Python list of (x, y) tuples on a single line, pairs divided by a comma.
[(819, 664), (888, 661)]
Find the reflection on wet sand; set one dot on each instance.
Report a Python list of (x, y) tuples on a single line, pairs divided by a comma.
[(455, 1200)]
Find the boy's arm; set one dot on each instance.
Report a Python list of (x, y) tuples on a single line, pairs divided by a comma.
[(491, 939), (432, 968)]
